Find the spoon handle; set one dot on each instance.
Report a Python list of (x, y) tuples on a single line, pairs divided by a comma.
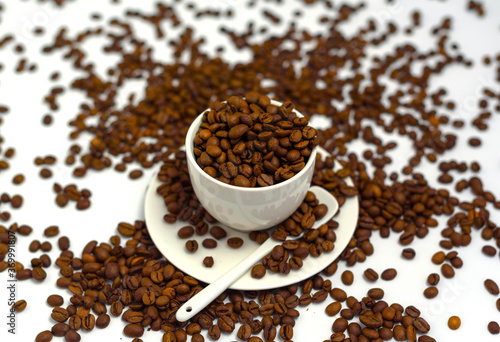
[(209, 293)]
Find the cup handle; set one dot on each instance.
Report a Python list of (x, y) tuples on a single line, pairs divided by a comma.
[(326, 198)]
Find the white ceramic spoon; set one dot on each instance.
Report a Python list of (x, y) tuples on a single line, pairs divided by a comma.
[(203, 298)]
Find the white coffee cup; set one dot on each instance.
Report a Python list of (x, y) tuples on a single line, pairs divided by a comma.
[(243, 208)]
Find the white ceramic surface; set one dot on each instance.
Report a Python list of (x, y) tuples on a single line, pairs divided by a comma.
[(165, 237), (242, 208)]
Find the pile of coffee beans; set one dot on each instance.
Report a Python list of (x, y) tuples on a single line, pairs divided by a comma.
[(133, 281), (250, 142), (182, 204)]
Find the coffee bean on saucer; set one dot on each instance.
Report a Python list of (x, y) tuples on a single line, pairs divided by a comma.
[(218, 232), (235, 242), (191, 246), (209, 243), (185, 232), (208, 261)]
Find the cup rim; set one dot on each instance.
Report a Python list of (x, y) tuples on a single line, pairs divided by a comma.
[(191, 160)]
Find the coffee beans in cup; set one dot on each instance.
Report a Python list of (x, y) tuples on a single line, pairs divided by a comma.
[(252, 142)]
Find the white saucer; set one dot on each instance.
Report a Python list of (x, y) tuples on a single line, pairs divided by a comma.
[(173, 248)]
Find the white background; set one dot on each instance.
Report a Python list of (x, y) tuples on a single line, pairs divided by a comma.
[(115, 198)]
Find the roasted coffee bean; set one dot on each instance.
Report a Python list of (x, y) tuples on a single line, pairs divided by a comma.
[(88, 322), (433, 279), (491, 287), (63, 243), (133, 330), (59, 314), (60, 329), (421, 325), (456, 262), (454, 322), (370, 275), (235, 242), (45, 173), (408, 253), (376, 293), (286, 332), (340, 325), (135, 174), (208, 261), (258, 271), (72, 336), (218, 232), (51, 231), (18, 179), (447, 271), (438, 258), (493, 328), (19, 306), (44, 336), (412, 311), (431, 292), (347, 278), (38, 274), (209, 243), (102, 321), (338, 294), (225, 324), (489, 250), (371, 321), (55, 300), (255, 339), (389, 274), (244, 332), (333, 309), (191, 246), (193, 328), (185, 232), (214, 332)]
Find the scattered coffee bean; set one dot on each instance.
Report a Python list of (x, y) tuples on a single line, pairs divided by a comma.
[(51, 231), (235, 242), (438, 258), (454, 322), (185, 232), (433, 279), (191, 246), (389, 274), (218, 232), (55, 300), (408, 253), (18, 179), (431, 292), (208, 261), (209, 243), (491, 287), (44, 336), (347, 277), (447, 271), (493, 328), (489, 251), (371, 275), (19, 306)]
